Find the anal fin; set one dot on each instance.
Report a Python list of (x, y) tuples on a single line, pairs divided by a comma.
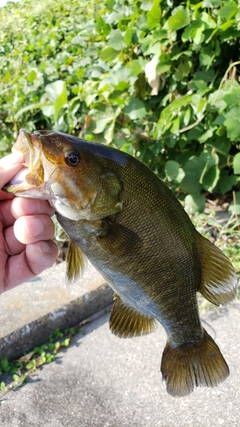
[(126, 322), (219, 279)]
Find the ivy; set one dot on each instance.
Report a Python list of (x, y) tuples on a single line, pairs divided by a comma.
[(158, 79)]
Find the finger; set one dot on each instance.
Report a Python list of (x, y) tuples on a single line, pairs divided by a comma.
[(30, 229), (22, 267), (6, 216), (9, 166), (12, 244), (21, 206)]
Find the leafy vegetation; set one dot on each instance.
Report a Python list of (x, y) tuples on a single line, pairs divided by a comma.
[(158, 79), (18, 371)]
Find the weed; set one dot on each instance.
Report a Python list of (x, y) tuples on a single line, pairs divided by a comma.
[(21, 368)]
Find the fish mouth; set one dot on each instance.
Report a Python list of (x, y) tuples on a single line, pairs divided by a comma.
[(30, 146), (30, 179)]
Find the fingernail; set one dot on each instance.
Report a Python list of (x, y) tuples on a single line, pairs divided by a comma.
[(34, 226), (43, 247)]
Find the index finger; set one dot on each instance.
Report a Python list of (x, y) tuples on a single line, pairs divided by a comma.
[(23, 206)]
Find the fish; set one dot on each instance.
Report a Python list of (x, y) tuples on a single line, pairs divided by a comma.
[(126, 221)]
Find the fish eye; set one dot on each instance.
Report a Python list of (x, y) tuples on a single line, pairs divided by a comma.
[(72, 159)]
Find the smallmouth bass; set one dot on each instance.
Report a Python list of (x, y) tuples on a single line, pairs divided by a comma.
[(134, 231)]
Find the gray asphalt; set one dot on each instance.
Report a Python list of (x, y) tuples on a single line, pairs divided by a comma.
[(104, 381)]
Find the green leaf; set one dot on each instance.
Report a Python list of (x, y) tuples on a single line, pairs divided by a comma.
[(232, 124), (32, 107), (222, 144), (146, 5), (207, 19), (206, 55), (163, 68), (211, 3), (3, 386), (135, 68), (171, 170), (234, 207), (193, 170), (154, 15), (205, 136), (48, 110), (4, 363), (56, 93), (236, 164), (227, 183), (55, 90), (169, 113), (108, 54), (228, 10), (135, 109), (178, 20), (78, 40), (116, 40), (60, 101), (194, 203), (109, 132), (183, 69), (102, 27), (128, 36), (101, 124), (210, 178), (31, 76)]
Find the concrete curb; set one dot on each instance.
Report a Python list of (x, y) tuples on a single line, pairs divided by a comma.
[(31, 312)]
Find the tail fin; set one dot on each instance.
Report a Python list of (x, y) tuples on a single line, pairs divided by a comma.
[(199, 364)]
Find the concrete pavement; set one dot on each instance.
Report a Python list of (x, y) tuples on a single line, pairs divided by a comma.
[(104, 381), (31, 312)]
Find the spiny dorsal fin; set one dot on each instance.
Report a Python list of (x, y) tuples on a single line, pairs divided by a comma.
[(219, 280), (199, 364), (75, 262), (126, 322)]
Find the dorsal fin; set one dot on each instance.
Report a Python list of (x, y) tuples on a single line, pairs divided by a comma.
[(219, 280), (75, 262), (126, 322)]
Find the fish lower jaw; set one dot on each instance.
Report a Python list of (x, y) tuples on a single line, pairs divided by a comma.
[(28, 191)]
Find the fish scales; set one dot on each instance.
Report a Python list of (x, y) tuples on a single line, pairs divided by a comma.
[(160, 280), (136, 233)]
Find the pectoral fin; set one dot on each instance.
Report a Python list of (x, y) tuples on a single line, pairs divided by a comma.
[(219, 280), (118, 239), (126, 322), (75, 262)]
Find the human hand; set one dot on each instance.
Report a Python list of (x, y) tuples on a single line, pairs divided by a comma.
[(26, 230)]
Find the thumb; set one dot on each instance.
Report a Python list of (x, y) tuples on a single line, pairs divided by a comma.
[(9, 166)]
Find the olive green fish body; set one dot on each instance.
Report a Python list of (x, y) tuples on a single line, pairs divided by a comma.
[(135, 232), (149, 253)]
